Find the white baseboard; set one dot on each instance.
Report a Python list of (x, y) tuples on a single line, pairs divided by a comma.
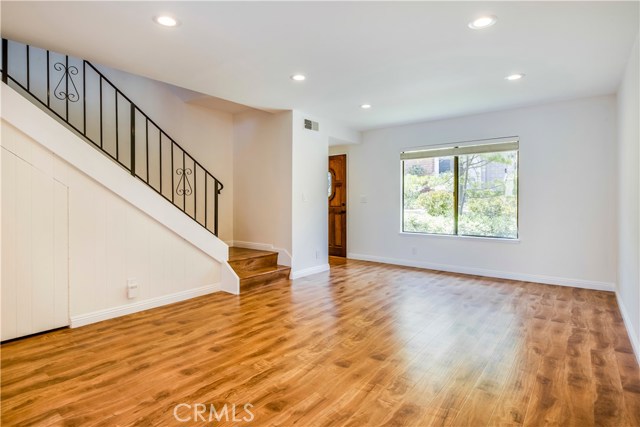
[(631, 330), (549, 280), (308, 271), (284, 257), (110, 313)]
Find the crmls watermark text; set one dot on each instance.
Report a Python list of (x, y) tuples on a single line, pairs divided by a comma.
[(186, 412)]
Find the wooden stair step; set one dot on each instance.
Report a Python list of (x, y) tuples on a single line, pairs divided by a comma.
[(256, 268), (239, 254), (263, 276), (269, 259), (242, 259), (260, 271)]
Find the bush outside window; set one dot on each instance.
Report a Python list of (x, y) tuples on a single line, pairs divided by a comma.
[(467, 191)]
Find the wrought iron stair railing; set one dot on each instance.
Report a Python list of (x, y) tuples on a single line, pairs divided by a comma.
[(87, 102)]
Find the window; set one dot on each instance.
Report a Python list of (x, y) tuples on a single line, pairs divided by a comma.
[(467, 190)]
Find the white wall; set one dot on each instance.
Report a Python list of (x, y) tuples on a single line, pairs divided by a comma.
[(205, 133), (309, 191), (118, 227), (35, 218), (262, 181), (111, 241), (280, 184), (568, 221), (629, 197)]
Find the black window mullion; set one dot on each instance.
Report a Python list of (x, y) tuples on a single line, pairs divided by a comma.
[(455, 194), (403, 178)]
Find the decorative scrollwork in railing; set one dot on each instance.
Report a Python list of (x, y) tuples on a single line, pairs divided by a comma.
[(61, 94), (184, 186)]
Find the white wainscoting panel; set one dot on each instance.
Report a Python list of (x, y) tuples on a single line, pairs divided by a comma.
[(35, 295)]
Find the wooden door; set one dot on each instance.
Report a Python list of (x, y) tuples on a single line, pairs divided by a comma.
[(337, 189)]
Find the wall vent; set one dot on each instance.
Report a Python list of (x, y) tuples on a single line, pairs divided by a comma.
[(311, 125)]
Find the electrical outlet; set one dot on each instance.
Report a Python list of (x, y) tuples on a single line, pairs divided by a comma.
[(414, 251), (317, 253), (132, 288), (363, 198)]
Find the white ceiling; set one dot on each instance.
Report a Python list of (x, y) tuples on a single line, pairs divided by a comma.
[(411, 60)]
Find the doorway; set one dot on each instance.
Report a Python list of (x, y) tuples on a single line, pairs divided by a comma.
[(337, 192)]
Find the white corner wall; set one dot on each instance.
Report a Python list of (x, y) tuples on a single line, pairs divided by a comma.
[(262, 182), (280, 184), (568, 221), (119, 229), (309, 191), (629, 198), (309, 198)]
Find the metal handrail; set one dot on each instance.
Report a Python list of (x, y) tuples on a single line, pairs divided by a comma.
[(180, 193)]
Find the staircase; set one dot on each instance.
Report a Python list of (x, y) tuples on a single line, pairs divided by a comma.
[(84, 100), (256, 268)]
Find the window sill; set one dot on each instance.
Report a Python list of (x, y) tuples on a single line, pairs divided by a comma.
[(451, 236)]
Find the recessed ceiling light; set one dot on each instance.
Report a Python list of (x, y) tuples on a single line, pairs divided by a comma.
[(298, 77), (166, 21), (365, 106), (483, 22), (514, 77)]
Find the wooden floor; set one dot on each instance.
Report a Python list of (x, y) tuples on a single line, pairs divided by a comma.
[(364, 345)]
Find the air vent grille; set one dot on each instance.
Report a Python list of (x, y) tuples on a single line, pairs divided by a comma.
[(311, 125)]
